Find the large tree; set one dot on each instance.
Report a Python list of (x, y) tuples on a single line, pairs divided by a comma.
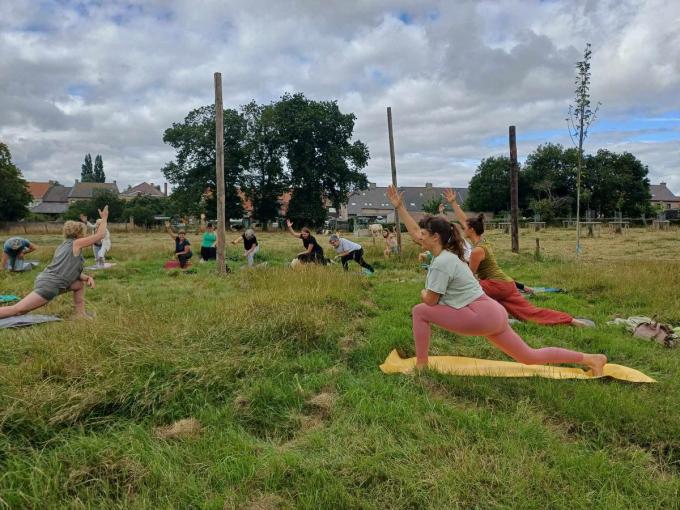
[(266, 179), (14, 195), (323, 162), (617, 183), (550, 177), (86, 170), (489, 188), (98, 173), (193, 171)]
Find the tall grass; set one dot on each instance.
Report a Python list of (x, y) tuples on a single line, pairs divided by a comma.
[(280, 369)]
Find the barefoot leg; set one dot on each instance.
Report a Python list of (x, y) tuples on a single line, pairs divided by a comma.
[(596, 363), (28, 304), (78, 289)]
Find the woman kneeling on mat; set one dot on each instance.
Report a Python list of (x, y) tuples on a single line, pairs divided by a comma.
[(65, 272), (496, 284), (182, 245), (453, 299), (313, 250)]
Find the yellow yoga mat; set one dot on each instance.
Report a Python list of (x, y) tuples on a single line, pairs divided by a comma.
[(457, 365)]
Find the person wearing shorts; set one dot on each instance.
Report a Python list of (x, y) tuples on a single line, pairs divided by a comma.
[(65, 272)]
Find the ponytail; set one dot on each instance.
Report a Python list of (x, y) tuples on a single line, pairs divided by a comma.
[(477, 224), (448, 233)]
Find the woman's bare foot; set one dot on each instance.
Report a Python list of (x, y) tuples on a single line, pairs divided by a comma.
[(582, 323), (596, 363)]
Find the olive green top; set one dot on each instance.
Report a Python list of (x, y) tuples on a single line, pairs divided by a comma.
[(488, 268)]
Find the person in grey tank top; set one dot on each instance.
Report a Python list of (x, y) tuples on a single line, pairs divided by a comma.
[(65, 272)]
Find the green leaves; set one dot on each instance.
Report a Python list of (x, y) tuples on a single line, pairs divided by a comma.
[(14, 195)]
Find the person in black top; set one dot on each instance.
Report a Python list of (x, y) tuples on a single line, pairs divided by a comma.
[(250, 245), (182, 245), (313, 251)]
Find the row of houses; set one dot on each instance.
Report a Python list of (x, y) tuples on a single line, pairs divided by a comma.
[(53, 199), (371, 204)]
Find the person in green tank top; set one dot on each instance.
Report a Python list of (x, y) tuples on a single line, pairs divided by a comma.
[(208, 249), (496, 284), (65, 272)]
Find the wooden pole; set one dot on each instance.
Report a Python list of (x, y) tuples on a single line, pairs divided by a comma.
[(393, 163), (514, 193), (219, 167)]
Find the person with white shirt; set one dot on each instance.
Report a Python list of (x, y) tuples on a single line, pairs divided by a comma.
[(454, 300), (348, 250)]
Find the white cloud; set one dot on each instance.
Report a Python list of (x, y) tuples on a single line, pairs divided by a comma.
[(110, 77)]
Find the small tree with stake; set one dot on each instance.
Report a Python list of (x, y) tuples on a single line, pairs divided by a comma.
[(581, 117)]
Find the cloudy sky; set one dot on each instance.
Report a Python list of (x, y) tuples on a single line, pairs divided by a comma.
[(108, 77)]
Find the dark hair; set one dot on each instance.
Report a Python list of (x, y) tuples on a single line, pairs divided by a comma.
[(305, 229), (448, 233), (210, 225), (477, 224)]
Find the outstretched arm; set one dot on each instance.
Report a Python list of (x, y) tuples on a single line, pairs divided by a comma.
[(450, 196), (397, 200), (83, 242), (168, 229), (292, 232)]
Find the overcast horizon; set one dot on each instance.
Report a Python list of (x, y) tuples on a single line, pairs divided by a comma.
[(109, 77)]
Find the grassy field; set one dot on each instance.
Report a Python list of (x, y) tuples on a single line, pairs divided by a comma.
[(279, 371)]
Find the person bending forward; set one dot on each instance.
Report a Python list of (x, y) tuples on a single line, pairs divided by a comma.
[(348, 250)]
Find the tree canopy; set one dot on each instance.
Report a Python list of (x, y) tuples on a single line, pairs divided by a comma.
[(14, 194), (193, 171), (612, 183), (98, 172), (294, 143)]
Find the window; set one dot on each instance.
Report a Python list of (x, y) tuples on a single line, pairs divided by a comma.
[(412, 204), (354, 203)]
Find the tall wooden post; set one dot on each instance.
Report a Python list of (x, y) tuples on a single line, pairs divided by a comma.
[(514, 193), (394, 174), (219, 167)]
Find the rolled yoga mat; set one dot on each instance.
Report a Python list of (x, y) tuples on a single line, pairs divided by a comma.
[(472, 367)]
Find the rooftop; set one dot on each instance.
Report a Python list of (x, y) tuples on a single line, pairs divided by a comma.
[(661, 193), (38, 189), (144, 188), (82, 190)]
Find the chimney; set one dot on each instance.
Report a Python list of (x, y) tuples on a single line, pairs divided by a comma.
[(77, 181), (371, 185), (428, 184), (663, 184), (165, 189)]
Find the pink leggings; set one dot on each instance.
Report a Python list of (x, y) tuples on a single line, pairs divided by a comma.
[(483, 317)]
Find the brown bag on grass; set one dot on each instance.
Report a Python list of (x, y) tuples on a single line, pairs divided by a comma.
[(657, 332)]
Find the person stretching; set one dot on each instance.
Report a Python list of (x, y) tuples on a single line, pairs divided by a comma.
[(313, 251), (348, 250), (391, 247), (496, 284), (101, 248), (453, 299), (65, 272), (182, 245), (250, 245), (13, 250)]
